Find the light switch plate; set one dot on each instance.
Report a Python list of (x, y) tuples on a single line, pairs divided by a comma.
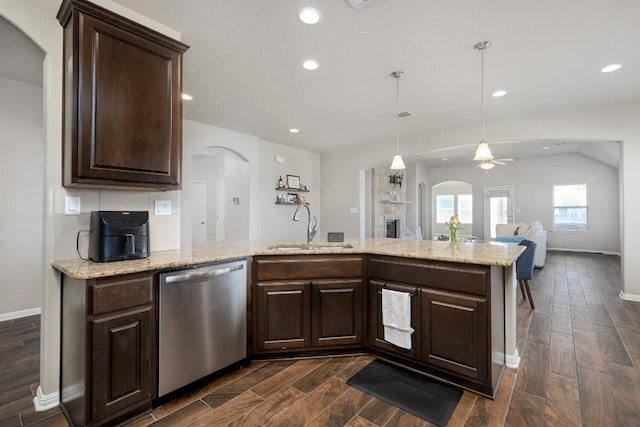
[(353, 210), (163, 207), (71, 205)]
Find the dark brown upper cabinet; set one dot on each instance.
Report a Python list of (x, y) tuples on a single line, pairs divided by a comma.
[(122, 102)]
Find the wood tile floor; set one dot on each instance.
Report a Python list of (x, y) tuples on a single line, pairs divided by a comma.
[(580, 366)]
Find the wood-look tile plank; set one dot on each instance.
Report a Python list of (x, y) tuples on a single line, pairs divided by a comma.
[(611, 346), (561, 299), (532, 374), (618, 314), (580, 318), (354, 367), (576, 298), (587, 350), (525, 409), (487, 412), (540, 328), (341, 410), (630, 338), (591, 295), (244, 383), (319, 375), (561, 320), (597, 404), (188, 398), (633, 309), (184, 416), (405, 419), (378, 411), (562, 359), (287, 376), (626, 392), (265, 412), (359, 422), (226, 413), (57, 420), (463, 410), (562, 402), (312, 404)]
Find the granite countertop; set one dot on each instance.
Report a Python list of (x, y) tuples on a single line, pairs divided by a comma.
[(482, 253)]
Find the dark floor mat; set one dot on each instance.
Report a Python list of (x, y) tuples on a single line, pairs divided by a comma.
[(423, 397)]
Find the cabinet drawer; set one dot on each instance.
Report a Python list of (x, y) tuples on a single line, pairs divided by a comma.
[(471, 279), (308, 267), (120, 293)]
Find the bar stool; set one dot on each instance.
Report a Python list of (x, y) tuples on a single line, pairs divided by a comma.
[(524, 269)]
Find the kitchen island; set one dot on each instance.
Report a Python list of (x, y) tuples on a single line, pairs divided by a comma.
[(322, 298)]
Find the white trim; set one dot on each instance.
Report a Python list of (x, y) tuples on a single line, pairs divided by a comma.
[(44, 402), (585, 251), (513, 360), (629, 297), (20, 313)]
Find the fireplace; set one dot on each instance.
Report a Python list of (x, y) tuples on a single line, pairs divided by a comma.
[(392, 228)]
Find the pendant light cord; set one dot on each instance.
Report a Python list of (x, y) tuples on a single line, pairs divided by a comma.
[(482, 91), (398, 112)]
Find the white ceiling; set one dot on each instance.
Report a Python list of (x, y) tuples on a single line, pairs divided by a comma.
[(244, 65)]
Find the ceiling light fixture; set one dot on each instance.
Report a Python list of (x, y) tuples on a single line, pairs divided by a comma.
[(499, 93), (397, 163), (483, 153), (309, 15), (187, 97), (310, 64), (612, 67), (294, 130), (486, 165)]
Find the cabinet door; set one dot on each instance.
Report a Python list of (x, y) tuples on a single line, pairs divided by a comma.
[(454, 333), (376, 328), (123, 111), (284, 315), (336, 312), (121, 364)]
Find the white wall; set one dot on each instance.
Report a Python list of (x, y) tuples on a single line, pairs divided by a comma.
[(22, 162), (341, 168), (266, 220), (533, 179)]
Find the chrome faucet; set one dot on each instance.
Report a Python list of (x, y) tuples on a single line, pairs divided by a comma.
[(312, 226)]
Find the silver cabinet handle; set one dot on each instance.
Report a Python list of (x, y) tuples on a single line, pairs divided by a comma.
[(204, 274)]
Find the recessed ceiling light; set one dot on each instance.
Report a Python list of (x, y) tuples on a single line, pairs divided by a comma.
[(445, 159), (294, 130), (546, 147), (187, 97), (499, 93), (309, 15), (310, 65), (610, 68)]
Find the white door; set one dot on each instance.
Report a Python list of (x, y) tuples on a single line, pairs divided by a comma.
[(498, 209), (199, 211), (220, 207)]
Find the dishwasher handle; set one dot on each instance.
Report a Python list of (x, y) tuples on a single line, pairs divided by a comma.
[(203, 274)]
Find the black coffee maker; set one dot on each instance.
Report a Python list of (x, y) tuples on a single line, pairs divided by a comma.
[(118, 235)]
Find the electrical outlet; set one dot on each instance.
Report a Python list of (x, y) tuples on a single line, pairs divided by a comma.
[(163, 207)]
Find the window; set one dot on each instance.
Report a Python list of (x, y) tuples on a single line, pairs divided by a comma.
[(448, 205), (570, 207)]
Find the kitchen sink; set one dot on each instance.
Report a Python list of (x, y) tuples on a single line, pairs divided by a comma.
[(311, 246)]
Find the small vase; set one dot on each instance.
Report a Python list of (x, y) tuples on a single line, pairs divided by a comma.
[(454, 236)]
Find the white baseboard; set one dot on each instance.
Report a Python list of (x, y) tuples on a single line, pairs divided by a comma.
[(20, 313), (629, 297), (588, 251), (44, 402), (513, 360)]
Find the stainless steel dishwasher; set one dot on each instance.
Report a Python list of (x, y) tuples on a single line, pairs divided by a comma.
[(202, 322)]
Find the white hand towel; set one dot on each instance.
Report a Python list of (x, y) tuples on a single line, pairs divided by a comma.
[(396, 318)]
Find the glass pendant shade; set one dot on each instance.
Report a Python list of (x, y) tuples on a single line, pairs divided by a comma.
[(483, 153), (486, 165), (397, 163)]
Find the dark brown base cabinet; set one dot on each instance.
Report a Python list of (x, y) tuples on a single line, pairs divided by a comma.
[(108, 348), (308, 302), (451, 307)]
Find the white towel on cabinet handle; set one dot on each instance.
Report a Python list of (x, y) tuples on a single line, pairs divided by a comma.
[(396, 318)]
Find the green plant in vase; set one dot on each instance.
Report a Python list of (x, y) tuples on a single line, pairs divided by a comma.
[(454, 225)]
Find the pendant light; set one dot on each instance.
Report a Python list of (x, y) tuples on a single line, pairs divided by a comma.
[(397, 163), (483, 152)]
